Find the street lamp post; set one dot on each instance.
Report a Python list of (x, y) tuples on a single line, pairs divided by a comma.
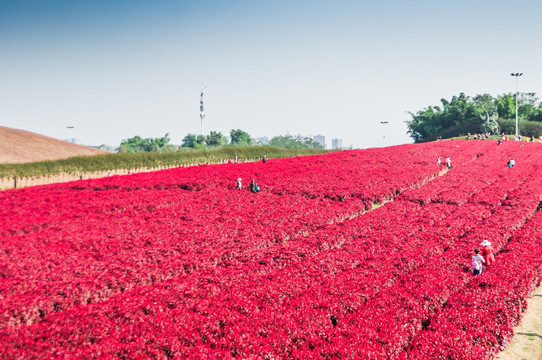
[(384, 133), (516, 75), (70, 128)]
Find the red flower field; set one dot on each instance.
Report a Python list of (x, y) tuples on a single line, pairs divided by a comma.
[(357, 254)]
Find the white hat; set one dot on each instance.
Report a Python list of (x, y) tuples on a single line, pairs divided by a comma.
[(485, 243)]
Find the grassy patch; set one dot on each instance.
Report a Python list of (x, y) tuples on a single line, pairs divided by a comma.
[(117, 161)]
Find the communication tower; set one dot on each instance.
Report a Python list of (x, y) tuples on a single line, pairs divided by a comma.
[(201, 108)]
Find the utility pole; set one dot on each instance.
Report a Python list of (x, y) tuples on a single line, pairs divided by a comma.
[(516, 75)]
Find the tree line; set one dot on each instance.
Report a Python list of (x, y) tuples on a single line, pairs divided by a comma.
[(215, 139), (464, 114)]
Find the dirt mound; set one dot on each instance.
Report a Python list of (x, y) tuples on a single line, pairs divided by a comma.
[(20, 146)]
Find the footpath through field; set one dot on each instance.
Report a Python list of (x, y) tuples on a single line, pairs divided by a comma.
[(180, 264)]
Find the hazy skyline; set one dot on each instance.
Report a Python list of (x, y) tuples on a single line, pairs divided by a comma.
[(116, 69)]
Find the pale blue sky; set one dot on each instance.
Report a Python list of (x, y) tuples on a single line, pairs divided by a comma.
[(116, 69)]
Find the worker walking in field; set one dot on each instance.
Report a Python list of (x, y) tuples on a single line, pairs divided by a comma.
[(487, 252), (477, 261), (253, 187), (239, 183), (438, 161), (448, 162)]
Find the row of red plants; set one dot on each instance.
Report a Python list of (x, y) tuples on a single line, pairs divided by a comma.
[(72, 223), (138, 267)]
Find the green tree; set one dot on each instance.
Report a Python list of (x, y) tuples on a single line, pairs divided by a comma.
[(527, 106), (137, 144), (538, 117), (485, 104), (311, 144), (240, 138), (158, 144), (200, 141), (189, 141), (462, 115), (458, 116), (508, 126), (530, 128), (286, 142), (506, 106), (194, 141), (216, 139), (294, 142)]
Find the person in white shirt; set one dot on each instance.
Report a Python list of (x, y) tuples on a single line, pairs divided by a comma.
[(477, 261)]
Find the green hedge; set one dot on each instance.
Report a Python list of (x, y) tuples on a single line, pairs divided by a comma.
[(81, 164)]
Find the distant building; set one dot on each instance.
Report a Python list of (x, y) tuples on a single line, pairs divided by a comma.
[(336, 144), (264, 140), (320, 139), (107, 148)]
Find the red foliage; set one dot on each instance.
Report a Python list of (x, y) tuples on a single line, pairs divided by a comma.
[(180, 264)]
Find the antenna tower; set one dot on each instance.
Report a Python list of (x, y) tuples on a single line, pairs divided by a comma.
[(201, 108)]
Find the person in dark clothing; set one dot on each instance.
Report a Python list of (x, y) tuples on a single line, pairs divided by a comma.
[(253, 187)]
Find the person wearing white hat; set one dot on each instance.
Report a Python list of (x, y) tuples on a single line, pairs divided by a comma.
[(239, 183), (487, 252)]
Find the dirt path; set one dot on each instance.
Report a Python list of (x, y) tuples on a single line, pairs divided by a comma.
[(527, 341)]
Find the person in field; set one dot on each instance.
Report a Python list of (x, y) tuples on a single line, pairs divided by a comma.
[(477, 261), (487, 252), (239, 184), (264, 159), (448, 163), (253, 187), (438, 161)]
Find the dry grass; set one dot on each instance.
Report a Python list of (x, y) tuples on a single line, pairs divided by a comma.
[(527, 341), (19, 146)]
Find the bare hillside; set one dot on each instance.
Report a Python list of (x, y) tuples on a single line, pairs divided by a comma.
[(20, 146)]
